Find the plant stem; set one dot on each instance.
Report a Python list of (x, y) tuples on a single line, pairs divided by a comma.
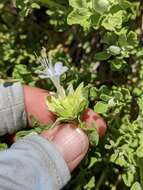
[(55, 123), (100, 181)]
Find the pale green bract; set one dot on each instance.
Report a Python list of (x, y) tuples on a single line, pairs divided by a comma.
[(68, 108)]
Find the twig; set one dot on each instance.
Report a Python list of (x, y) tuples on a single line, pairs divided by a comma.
[(101, 179)]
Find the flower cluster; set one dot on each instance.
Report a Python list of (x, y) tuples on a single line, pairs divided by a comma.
[(52, 72), (67, 104)]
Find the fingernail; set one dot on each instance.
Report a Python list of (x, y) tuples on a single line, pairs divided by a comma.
[(71, 142)]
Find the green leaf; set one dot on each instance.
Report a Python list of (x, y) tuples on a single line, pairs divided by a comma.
[(93, 160), (114, 50), (118, 95), (104, 90), (93, 136), (114, 21), (132, 38), (78, 4), (139, 151), (122, 40), (119, 159), (117, 64), (80, 16), (101, 56), (90, 184), (93, 92), (101, 6), (24, 6), (126, 92), (125, 4), (21, 134), (136, 186), (128, 178), (35, 6), (105, 97), (95, 19), (110, 38), (101, 107)]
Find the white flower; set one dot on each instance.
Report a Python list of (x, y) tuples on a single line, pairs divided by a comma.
[(53, 72)]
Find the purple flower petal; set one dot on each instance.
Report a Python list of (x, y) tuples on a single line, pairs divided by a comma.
[(52, 71), (59, 68)]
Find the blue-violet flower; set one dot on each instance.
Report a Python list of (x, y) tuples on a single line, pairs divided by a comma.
[(54, 73)]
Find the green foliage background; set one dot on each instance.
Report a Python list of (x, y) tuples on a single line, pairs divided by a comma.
[(101, 41)]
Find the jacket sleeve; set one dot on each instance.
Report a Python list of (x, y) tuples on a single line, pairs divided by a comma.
[(32, 163), (12, 110)]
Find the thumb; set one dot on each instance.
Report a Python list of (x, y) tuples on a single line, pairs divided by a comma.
[(70, 141)]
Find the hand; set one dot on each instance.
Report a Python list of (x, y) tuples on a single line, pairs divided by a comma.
[(71, 141)]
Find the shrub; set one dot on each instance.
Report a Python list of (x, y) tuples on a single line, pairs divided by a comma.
[(101, 42)]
